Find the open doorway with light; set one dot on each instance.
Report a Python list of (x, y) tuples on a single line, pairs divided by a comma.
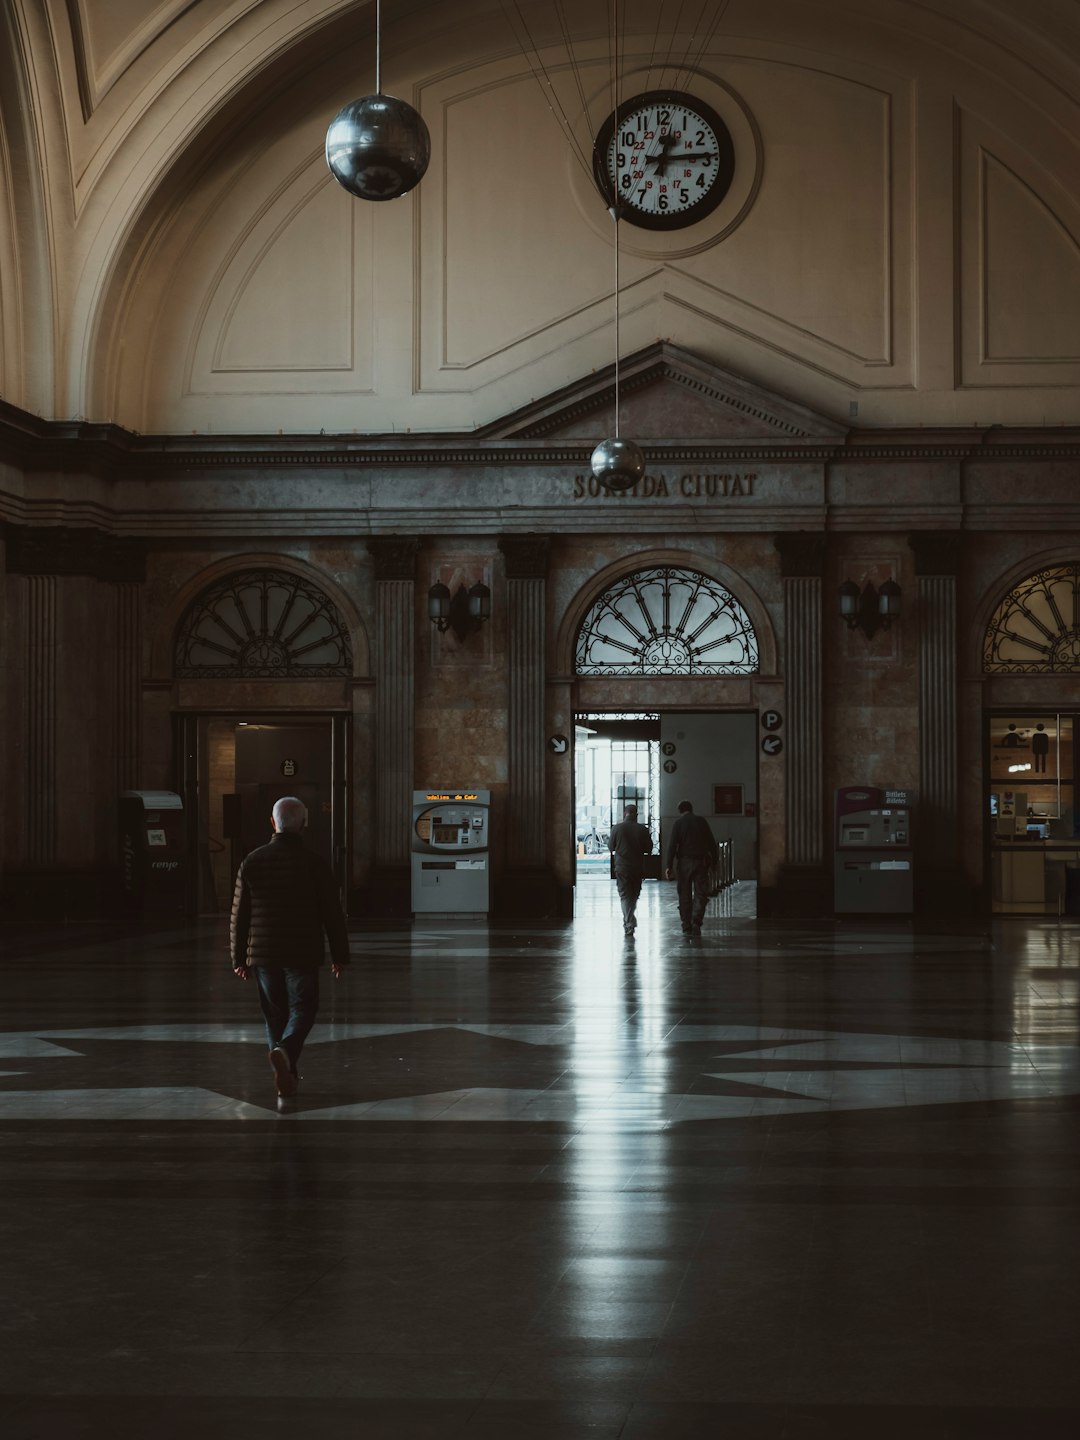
[(616, 763), (655, 760)]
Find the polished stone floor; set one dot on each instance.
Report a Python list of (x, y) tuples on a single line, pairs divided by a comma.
[(540, 1181)]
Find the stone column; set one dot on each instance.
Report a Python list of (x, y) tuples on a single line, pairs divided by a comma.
[(804, 878), (936, 831), (395, 671), (89, 704), (127, 681), (526, 559), (41, 662)]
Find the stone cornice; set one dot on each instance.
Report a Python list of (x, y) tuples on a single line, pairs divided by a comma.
[(113, 453)]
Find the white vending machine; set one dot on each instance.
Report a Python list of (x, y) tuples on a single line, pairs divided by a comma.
[(451, 860)]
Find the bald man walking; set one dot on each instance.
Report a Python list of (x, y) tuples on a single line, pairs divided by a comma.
[(286, 897)]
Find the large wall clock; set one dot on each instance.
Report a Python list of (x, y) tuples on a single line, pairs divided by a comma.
[(667, 163)]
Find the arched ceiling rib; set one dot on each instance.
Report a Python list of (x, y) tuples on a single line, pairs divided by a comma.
[(143, 93)]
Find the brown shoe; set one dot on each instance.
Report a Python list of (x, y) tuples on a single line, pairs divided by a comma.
[(283, 1075)]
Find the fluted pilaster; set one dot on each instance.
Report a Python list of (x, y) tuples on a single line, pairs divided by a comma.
[(395, 661), (127, 682), (936, 562), (41, 661), (526, 604), (802, 560), (802, 681)]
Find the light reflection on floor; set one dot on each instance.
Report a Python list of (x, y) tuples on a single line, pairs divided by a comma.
[(783, 1180)]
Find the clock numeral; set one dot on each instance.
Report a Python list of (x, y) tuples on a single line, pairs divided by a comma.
[(684, 196), (664, 116), (627, 182), (663, 203), (628, 138), (700, 182), (701, 137)]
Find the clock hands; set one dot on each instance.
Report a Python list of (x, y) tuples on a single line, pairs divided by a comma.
[(665, 154)]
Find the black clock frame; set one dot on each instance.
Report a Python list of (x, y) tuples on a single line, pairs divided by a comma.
[(676, 219)]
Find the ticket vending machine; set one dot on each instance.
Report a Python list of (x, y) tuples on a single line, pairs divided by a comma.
[(873, 870), (451, 852), (153, 855)]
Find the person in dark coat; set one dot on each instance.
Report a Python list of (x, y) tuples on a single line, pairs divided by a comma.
[(690, 854), (286, 896), (629, 842)]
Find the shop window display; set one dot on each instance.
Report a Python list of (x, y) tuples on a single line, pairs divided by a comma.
[(1032, 811)]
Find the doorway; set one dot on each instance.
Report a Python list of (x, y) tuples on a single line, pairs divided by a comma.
[(236, 768), (616, 763), (655, 760)]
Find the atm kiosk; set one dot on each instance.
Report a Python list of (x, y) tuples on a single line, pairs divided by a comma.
[(873, 871), (153, 855), (451, 860)]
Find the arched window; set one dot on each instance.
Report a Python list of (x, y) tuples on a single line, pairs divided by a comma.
[(667, 621), (1037, 626), (262, 624)]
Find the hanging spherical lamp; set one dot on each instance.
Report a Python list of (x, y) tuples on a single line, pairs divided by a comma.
[(378, 147), (618, 464)]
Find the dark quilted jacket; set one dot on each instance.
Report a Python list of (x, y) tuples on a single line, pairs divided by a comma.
[(285, 897)]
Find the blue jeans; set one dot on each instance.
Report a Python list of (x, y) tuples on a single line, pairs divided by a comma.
[(290, 1002)]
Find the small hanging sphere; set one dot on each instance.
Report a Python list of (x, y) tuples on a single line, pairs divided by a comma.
[(618, 464), (378, 148)]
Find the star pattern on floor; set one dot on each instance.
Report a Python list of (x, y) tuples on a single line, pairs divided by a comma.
[(525, 1073)]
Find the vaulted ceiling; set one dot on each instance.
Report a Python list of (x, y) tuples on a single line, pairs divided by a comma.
[(162, 188)]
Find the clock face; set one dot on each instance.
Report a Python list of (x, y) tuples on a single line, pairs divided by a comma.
[(667, 163)]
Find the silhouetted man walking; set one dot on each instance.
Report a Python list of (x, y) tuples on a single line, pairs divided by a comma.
[(285, 898), (690, 854), (629, 842)]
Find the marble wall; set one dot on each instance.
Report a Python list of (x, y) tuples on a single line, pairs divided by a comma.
[(68, 748)]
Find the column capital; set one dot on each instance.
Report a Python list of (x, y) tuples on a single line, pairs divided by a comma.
[(936, 552), (73, 550), (527, 556), (802, 554), (394, 556)]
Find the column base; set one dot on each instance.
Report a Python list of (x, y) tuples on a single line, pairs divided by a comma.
[(945, 892), (387, 895), (61, 896), (801, 892), (531, 892)]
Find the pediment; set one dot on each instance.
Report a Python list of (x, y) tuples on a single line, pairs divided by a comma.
[(666, 393)]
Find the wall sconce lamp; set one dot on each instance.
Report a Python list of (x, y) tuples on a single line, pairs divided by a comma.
[(869, 609), (462, 612)]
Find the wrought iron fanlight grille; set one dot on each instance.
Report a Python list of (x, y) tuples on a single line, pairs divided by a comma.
[(262, 624), (667, 621), (1037, 627)]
